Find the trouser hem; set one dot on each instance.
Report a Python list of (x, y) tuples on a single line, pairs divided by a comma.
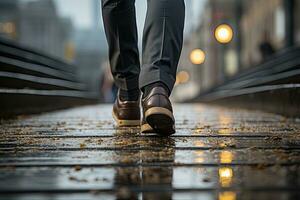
[(156, 76)]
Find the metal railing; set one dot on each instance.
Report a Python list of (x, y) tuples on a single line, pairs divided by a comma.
[(273, 86), (31, 81)]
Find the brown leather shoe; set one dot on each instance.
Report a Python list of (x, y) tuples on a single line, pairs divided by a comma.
[(158, 112), (127, 113)]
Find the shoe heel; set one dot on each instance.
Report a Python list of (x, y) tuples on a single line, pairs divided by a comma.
[(161, 120)]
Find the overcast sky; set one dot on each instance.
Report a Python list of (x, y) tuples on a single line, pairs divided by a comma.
[(78, 10)]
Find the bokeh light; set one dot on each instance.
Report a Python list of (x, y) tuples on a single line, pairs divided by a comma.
[(182, 77), (197, 57), (224, 33), (7, 27)]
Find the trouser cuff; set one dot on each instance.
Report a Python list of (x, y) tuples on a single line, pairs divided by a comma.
[(127, 84), (147, 78)]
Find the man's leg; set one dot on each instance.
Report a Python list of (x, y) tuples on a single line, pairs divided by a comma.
[(162, 42), (121, 32), (120, 27)]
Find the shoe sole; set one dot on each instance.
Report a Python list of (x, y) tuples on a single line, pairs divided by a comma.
[(146, 128), (125, 123), (161, 120)]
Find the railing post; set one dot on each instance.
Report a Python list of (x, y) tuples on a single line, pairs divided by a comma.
[(289, 25)]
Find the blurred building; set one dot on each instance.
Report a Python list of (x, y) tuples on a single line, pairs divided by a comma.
[(90, 45), (211, 72), (262, 23), (41, 27), (261, 28), (35, 24), (89, 57), (9, 17)]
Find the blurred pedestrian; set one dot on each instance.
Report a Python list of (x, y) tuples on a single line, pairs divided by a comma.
[(265, 47), (162, 44), (108, 87)]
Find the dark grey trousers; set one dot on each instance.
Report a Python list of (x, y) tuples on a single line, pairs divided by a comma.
[(162, 42)]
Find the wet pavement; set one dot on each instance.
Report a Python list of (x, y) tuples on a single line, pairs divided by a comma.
[(217, 153)]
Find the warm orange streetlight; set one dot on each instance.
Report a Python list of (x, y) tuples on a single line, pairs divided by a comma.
[(197, 57), (7, 27), (182, 77), (224, 33)]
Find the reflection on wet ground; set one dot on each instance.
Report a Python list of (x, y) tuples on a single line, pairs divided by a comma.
[(217, 153)]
